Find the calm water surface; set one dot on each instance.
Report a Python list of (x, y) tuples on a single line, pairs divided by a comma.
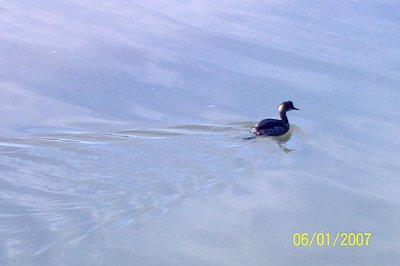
[(124, 132)]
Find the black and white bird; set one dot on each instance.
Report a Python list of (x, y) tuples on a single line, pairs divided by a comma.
[(275, 127)]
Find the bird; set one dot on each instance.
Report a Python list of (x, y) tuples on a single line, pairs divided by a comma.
[(274, 127)]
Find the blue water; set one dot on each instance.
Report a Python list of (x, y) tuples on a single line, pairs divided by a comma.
[(124, 126)]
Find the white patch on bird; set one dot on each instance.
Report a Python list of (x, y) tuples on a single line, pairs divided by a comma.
[(281, 108)]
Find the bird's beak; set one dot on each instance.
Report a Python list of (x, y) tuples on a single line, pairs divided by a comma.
[(295, 108)]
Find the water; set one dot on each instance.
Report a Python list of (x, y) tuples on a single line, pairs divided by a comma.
[(124, 132)]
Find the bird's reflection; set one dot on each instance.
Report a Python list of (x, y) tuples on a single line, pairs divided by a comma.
[(281, 141)]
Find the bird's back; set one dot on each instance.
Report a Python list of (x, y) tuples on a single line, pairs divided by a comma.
[(270, 127)]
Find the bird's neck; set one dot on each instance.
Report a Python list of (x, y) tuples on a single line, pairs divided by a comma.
[(283, 116)]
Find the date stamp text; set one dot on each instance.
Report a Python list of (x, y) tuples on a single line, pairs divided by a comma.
[(341, 239)]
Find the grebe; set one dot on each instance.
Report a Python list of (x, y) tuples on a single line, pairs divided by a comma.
[(274, 127)]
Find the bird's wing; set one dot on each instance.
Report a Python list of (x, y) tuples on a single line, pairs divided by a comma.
[(269, 127)]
